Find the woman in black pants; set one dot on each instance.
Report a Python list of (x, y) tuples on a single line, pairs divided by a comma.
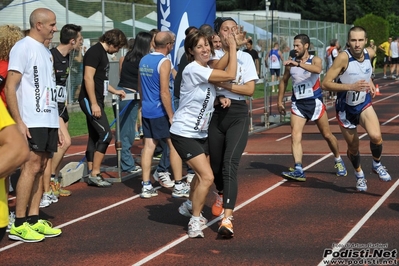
[(228, 130)]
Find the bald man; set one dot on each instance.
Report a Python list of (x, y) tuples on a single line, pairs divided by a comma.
[(157, 114), (31, 97)]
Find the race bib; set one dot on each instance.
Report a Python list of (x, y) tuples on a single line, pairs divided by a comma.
[(303, 90), (106, 84), (354, 98), (51, 98), (61, 94)]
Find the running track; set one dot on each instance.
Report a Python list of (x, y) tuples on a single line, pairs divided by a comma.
[(277, 222)]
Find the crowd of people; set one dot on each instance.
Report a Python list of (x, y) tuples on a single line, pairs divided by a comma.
[(195, 112)]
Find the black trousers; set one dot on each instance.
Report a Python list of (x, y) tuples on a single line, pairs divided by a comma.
[(228, 135)]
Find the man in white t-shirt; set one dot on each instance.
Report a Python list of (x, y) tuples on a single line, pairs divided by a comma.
[(395, 57), (32, 101)]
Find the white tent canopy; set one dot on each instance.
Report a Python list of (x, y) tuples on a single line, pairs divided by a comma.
[(98, 18), (18, 12), (139, 24)]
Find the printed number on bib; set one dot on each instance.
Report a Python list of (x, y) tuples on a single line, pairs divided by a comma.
[(51, 98), (354, 98), (61, 94), (303, 90)]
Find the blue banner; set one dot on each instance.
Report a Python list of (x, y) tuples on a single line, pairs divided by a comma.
[(178, 15)]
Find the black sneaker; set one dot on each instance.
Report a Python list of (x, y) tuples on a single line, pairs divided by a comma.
[(98, 181)]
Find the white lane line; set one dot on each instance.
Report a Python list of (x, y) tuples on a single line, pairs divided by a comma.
[(82, 217), (185, 237), (359, 225)]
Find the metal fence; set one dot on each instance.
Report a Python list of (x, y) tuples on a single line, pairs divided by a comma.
[(96, 17)]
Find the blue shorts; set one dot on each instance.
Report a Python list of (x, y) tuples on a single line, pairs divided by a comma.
[(156, 128), (275, 71), (310, 109)]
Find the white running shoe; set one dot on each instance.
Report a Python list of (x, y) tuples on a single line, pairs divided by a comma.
[(163, 178)]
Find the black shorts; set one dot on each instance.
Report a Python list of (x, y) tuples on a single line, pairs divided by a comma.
[(156, 128), (43, 139), (395, 60), (188, 148), (387, 60), (63, 112)]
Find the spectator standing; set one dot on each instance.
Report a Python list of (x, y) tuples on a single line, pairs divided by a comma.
[(394, 46), (275, 57), (157, 112), (129, 75), (374, 60), (386, 48), (95, 87), (189, 132), (14, 151), (31, 98), (254, 55), (354, 106), (70, 39), (228, 130)]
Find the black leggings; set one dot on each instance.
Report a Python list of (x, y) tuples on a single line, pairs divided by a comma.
[(100, 134), (228, 135)]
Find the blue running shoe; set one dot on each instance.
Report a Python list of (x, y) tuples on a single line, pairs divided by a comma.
[(295, 175), (382, 173), (341, 169), (361, 184)]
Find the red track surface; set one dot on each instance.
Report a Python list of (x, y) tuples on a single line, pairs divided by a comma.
[(277, 222)]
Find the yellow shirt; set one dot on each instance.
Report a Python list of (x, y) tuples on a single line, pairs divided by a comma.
[(5, 121), (387, 48)]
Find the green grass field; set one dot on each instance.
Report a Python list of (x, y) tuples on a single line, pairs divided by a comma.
[(77, 119)]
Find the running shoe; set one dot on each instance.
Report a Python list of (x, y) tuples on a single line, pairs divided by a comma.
[(189, 177), (361, 184), (98, 181), (341, 169), (148, 193), (382, 173), (183, 192), (11, 220), (295, 175), (137, 137), (226, 227), (163, 178), (58, 191), (135, 170), (46, 200), (24, 233), (194, 228), (385, 77), (217, 206), (45, 228), (186, 209)]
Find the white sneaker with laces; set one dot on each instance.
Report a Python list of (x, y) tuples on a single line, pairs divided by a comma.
[(45, 201), (11, 220), (189, 177), (382, 173), (163, 178), (194, 228), (186, 208), (361, 184)]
